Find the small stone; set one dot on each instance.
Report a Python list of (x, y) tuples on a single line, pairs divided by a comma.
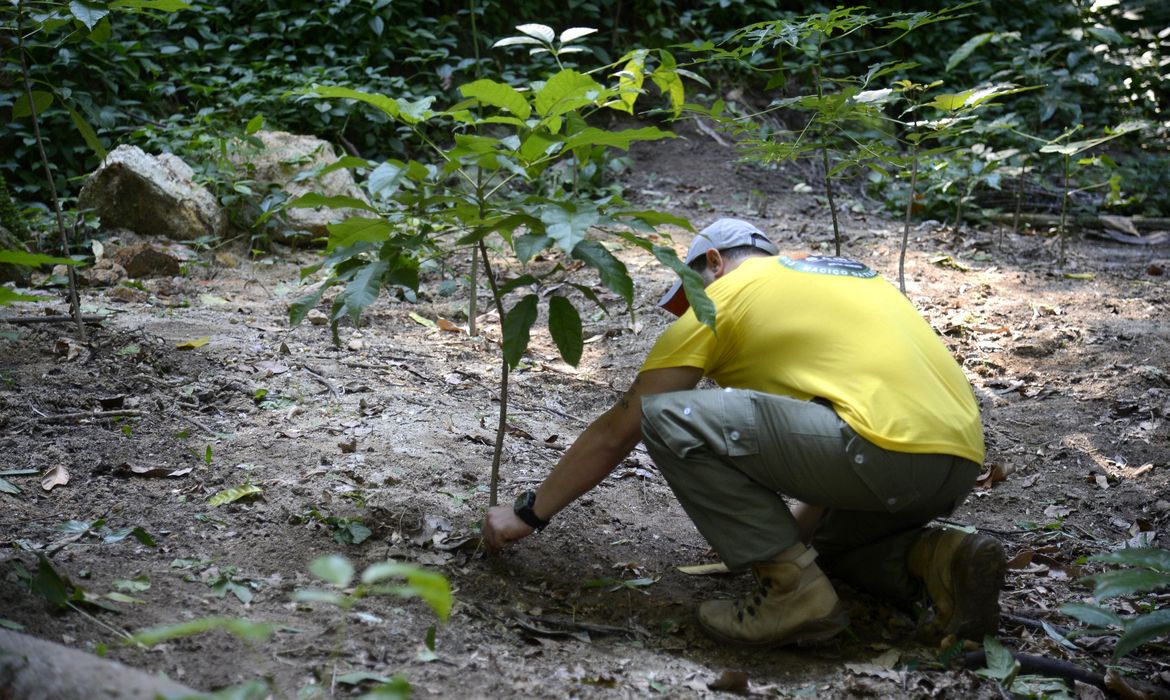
[(355, 345), (127, 294), (317, 317)]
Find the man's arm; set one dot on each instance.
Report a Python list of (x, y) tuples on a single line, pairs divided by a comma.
[(603, 445)]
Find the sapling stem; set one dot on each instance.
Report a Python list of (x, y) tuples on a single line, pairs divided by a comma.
[(501, 428)]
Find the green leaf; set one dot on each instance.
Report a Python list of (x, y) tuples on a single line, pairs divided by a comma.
[(8, 487), (614, 274), (48, 584), (1149, 557), (361, 291), (301, 307), (88, 13), (356, 229), (388, 105), (41, 101), (432, 587), (359, 677), (1001, 664), (658, 218), (244, 629), (567, 223), (234, 494), (1141, 630), (32, 259), (528, 245), (566, 91), (161, 5), (9, 297), (255, 124), (1118, 583), (312, 199), (118, 597), (327, 597), (960, 54), (1092, 615), (517, 324), (334, 569), (494, 94), (564, 325), (701, 304), (87, 133), (616, 139), (385, 180)]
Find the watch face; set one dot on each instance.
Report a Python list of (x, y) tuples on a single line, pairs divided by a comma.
[(524, 500)]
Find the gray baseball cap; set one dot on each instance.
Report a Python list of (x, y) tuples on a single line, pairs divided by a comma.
[(721, 235)]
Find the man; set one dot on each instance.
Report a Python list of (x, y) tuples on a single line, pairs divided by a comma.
[(834, 392)]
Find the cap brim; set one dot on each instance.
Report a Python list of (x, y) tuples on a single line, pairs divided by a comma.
[(675, 300)]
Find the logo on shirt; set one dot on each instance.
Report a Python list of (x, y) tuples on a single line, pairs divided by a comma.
[(828, 265)]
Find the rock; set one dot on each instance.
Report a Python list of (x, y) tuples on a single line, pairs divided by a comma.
[(144, 260), (152, 196), (283, 158), (18, 274), (127, 294), (226, 259), (106, 273), (317, 317)]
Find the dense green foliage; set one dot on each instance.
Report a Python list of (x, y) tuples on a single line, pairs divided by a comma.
[(187, 80)]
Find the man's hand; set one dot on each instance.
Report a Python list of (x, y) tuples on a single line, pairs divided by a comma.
[(501, 528)]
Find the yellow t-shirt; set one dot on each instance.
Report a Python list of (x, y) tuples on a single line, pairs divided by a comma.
[(830, 328)]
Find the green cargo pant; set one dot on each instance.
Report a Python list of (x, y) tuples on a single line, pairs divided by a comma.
[(730, 455)]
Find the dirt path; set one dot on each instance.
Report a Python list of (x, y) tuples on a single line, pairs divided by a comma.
[(393, 431)]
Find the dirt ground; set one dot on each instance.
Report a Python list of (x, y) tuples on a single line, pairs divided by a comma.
[(394, 430)]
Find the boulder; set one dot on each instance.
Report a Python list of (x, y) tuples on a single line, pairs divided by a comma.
[(286, 156), (152, 196)]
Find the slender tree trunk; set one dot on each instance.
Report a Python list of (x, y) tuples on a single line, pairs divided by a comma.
[(501, 427), (1019, 198), (826, 162), (74, 302), (906, 223), (1064, 211), (473, 302)]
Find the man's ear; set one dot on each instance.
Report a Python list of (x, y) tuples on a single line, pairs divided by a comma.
[(714, 262)]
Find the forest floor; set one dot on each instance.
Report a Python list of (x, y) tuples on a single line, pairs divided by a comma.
[(393, 430)]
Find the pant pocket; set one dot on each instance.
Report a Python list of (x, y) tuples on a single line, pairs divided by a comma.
[(883, 472)]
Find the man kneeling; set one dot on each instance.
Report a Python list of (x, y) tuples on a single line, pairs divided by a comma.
[(834, 392)]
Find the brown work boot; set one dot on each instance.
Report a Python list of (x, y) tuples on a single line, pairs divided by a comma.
[(793, 603), (964, 573)]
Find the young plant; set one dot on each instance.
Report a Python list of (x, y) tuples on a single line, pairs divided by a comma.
[(485, 185), (1147, 571)]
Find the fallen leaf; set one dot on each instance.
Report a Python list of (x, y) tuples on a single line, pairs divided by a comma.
[(125, 468), (1102, 481), (994, 474), (271, 368), (422, 320), (1055, 511), (704, 569), (1079, 275), (1030, 481), (1021, 560), (212, 300), (8, 487), (234, 494), (731, 682), (57, 476), (193, 344)]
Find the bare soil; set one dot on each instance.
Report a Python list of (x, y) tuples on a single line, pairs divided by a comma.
[(394, 429)]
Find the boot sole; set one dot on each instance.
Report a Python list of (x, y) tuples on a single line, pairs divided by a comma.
[(979, 570), (809, 633)]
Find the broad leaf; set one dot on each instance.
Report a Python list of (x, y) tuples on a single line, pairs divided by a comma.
[(361, 291), (517, 325), (566, 91), (234, 494), (386, 178), (1149, 557), (575, 33), (1092, 615), (19, 257), (40, 100), (432, 587), (617, 139), (701, 304), (528, 245), (960, 54), (87, 133), (388, 105), (564, 325), (614, 274), (312, 199), (567, 224), (334, 569), (9, 297), (356, 229), (88, 13), (630, 80), (1118, 583), (301, 307), (1141, 630), (541, 32), (489, 92), (515, 40), (160, 5), (244, 629), (1001, 664)]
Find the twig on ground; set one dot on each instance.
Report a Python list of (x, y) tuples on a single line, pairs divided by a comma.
[(29, 320), (321, 378), (71, 417)]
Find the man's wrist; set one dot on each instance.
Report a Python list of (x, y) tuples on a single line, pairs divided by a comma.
[(524, 508)]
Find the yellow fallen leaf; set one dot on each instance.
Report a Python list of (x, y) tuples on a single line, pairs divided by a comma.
[(704, 569), (1079, 275), (193, 344), (422, 320), (446, 325)]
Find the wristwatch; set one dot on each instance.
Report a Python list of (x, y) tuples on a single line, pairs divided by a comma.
[(523, 510)]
